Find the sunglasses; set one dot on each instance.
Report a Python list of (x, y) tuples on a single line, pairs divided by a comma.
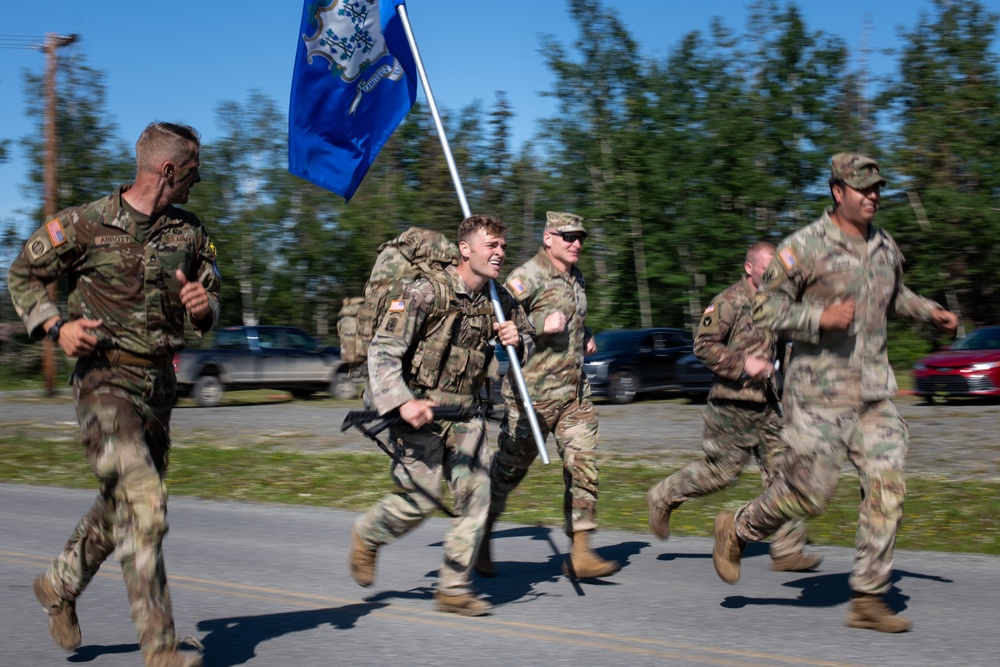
[(572, 237)]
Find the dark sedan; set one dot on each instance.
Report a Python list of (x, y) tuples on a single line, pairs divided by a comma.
[(969, 367), (629, 362), (693, 376)]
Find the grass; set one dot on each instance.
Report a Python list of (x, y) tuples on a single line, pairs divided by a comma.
[(940, 515)]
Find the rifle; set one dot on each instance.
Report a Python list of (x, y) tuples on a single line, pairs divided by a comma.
[(359, 419)]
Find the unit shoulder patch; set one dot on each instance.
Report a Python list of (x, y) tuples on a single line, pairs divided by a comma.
[(38, 247), (709, 321)]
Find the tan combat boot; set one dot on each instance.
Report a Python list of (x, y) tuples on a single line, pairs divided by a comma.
[(465, 604), (728, 551), (872, 613), (799, 562), (362, 561), (659, 515), (174, 658), (64, 626), (584, 563), (484, 560)]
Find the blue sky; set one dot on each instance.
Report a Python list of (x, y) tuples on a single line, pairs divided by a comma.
[(177, 61)]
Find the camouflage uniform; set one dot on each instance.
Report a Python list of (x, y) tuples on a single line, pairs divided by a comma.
[(839, 387), (451, 375), (559, 391), (741, 416), (121, 270)]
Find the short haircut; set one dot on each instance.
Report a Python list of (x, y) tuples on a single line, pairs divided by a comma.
[(165, 142), (759, 248), (491, 224)]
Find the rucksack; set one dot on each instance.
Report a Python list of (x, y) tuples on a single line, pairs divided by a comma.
[(413, 254)]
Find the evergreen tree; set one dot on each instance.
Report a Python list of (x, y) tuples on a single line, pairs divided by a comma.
[(946, 103), (244, 183)]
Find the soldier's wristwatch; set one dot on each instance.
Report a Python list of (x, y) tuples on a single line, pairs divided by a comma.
[(53, 332)]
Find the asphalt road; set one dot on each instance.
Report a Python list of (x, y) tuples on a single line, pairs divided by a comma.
[(268, 585)]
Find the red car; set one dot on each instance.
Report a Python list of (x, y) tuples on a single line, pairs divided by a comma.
[(969, 367)]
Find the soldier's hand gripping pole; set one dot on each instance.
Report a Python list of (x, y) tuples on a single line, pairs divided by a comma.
[(515, 365)]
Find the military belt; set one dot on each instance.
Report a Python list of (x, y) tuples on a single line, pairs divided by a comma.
[(126, 358)]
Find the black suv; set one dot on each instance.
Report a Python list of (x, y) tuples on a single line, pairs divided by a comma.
[(631, 361)]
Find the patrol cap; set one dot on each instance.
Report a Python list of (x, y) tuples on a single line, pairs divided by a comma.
[(564, 222), (856, 170)]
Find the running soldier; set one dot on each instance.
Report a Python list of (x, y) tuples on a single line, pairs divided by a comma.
[(414, 365), (831, 286), (742, 416), (136, 266), (551, 289)]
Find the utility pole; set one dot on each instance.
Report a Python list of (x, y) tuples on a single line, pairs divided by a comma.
[(52, 42)]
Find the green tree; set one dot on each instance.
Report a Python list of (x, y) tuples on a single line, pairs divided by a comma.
[(946, 104), (91, 158), (735, 146), (591, 163), (240, 199)]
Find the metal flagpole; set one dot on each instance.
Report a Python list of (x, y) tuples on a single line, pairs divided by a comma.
[(515, 365)]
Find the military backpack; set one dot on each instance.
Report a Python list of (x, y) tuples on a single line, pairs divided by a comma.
[(413, 254)]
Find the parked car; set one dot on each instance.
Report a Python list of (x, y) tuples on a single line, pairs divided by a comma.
[(629, 362), (262, 357), (693, 376), (968, 367), (696, 379)]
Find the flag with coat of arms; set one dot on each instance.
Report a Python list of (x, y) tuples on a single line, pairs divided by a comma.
[(354, 82)]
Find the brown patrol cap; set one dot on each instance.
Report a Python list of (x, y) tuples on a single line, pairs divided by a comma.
[(856, 170), (564, 222)]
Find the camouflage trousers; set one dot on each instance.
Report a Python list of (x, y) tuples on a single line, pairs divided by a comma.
[(874, 437), (574, 424), (456, 452), (734, 430), (124, 415)]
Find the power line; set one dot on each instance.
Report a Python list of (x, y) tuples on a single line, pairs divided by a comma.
[(22, 42)]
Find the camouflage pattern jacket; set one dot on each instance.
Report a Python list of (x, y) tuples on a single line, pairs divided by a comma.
[(816, 267), (118, 272), (412, 356), (555, 370), (726, 336)]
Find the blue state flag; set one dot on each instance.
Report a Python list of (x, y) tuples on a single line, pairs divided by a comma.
[(354, 82)]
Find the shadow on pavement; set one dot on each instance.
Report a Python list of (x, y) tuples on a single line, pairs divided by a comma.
[(753, 549), (830, 590), (94, 651), (232, 641), (516, 580)]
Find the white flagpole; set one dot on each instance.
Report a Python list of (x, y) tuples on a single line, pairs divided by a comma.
[(515, 365)]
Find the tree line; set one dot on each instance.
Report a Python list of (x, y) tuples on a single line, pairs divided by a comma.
[(677, 164)]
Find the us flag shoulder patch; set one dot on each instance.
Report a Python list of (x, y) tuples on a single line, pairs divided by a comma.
[(788, 258), (56, 233), (710, 309), (517, 286), (397, 306)]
